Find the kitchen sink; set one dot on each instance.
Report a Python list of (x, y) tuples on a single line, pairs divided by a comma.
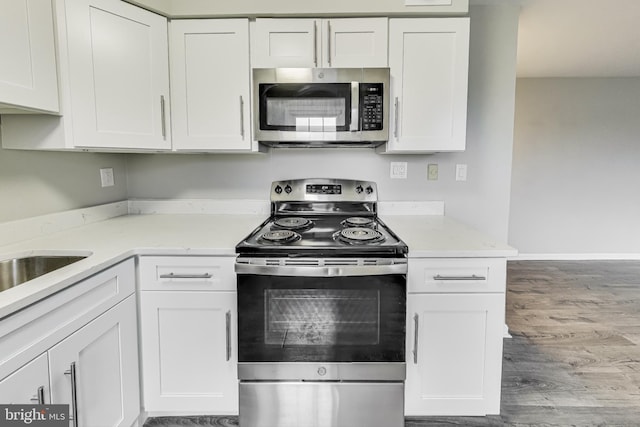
[(15, 271)]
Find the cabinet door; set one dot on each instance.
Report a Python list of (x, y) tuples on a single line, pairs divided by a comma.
[(28, 385), (285, 43), (429, 61), (454, 354), (188, 352), (210, 84), (118, 75), (358, 42), (104, 354), (28, 74)]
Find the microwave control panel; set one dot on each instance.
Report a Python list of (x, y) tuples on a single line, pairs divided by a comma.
[(371, 100)]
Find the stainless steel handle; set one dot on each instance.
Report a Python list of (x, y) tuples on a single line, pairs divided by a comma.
[(355, 107), (228, 322), (397, 118), (471, 278), (162, 118), (74, 392), (186, 276), (241, 117), (320, 271), (315, 44), (39, 397), (329, 43), (416, 322)]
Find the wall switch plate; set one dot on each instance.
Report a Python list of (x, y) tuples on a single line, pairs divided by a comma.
[(106, 177), (398, 170), (432, 172), (461, 172)]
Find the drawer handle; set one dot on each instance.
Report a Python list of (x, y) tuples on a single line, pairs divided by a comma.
[(471, 278), (39, 397), (186, 276), (416, 323), (228, 333)]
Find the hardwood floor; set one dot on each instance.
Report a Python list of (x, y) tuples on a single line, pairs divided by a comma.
[(574, 359)]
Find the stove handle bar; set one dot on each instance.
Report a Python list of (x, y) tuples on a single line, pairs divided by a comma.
[(321, 271)]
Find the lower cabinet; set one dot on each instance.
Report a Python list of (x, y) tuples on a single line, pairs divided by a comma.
[(188, 335), (27, 385), (95, 369), (455, 321), (188, 352)]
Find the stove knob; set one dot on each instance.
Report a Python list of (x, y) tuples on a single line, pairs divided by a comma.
[(369, 190), (288, 189), (359, 189), (278, 189)]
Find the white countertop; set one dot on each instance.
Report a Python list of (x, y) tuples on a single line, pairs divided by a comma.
[(113, 240)]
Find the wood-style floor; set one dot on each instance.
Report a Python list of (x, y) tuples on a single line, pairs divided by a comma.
[(574, 359)]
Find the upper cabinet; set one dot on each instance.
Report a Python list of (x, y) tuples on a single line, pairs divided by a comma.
[(28, 76), (343, 42), (210, 84), (114, 73), (429, 63)]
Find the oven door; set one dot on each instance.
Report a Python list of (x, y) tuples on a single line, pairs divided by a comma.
[(321, 323)]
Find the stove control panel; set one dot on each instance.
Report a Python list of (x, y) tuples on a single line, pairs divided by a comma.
[(324, 189)]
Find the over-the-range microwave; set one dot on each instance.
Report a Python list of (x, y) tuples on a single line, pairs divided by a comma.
[(321, 107)]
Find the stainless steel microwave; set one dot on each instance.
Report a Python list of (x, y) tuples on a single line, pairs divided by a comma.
[(321, 107)]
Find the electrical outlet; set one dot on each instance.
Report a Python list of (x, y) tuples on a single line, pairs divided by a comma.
[(106, 177), (432, 172), (398, 170), (461, 172)]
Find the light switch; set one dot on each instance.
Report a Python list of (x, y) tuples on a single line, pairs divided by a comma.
[(106, 177), (461, 172)]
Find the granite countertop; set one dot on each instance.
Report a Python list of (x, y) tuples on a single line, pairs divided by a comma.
[(116, 239)]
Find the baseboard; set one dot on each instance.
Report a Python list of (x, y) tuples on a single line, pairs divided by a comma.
[(577, 257)]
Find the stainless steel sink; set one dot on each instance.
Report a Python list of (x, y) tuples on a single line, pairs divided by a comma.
[(15, 271)]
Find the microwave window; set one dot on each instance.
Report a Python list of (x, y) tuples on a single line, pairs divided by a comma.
[(327, 113)]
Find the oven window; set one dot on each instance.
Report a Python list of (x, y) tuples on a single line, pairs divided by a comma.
[(328, 319), (322, 317)]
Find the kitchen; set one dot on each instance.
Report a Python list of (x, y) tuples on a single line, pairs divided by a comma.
[(482, 201)]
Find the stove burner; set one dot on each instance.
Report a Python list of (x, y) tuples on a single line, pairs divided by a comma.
[(359, 235), (358, 221), (293, 223), (280, 236)]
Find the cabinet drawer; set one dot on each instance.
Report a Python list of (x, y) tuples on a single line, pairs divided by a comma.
[(448, 275), (188, 273)]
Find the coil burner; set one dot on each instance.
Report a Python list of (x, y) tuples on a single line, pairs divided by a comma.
[(359, 221), (293, 223), (280, 236), (359, 235)]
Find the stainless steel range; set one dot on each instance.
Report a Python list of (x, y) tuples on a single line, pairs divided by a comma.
[(321, 310)]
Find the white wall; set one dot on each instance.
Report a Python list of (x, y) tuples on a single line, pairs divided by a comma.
[(35, 183), (482, 201), (576, 166)]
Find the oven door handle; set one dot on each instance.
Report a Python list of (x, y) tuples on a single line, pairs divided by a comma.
[(321, 271)]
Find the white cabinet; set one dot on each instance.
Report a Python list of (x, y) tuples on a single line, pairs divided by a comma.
[(28, 385), (341, 42), (114, 75), (210, 85), (28, 75), (188, 335), (455, 318), (98, 366), (429, 65)]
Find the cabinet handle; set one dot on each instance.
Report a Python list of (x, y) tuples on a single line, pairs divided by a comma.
[(228, 323), (315, 45), (74, 392), (162, 118), (186, 276), (39, 397), (241, 117), (397, 116), (471, 278), (416, 322), (329, 42)]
